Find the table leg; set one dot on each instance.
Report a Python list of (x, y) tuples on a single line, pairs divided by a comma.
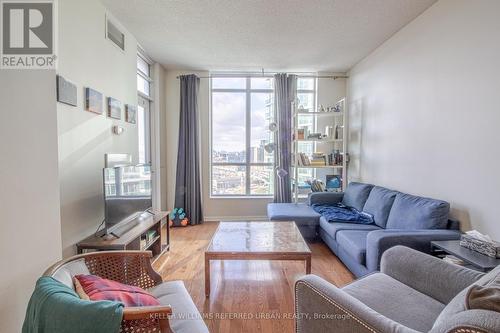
[(308, 265), (207, 276)]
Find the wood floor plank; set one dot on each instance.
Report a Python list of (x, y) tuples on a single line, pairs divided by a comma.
[(246, 296)]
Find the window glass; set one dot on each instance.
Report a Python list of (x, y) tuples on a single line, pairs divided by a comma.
[(242, 152), (262, 83), (306, 100), (228, 180), (261, 116), (228, 83), (261, 179), (228, 127), (143, 66), (305, 83), (142, 85)]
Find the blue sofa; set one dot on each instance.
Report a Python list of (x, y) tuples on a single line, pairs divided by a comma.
[(399, 219)]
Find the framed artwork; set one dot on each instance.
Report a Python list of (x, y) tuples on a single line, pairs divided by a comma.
[(66, 91), (93, 101), (114, 108), (130, 113)]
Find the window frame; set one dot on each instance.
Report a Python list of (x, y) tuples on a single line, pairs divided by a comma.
[(146, 101), (248, 164)]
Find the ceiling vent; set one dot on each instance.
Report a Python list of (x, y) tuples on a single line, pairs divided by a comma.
[(114, 34)]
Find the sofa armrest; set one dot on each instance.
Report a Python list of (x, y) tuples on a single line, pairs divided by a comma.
[(378, 241), (427, 274), (322, 198), (322, 307)]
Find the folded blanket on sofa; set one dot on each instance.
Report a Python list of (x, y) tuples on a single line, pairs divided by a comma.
[(56, 308), (342, 213)]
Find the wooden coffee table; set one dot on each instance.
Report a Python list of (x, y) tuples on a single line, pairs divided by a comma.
[(256, 241)]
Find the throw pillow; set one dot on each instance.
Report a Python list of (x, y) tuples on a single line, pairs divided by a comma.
[(99, 289), (79, 290), (484, 297)]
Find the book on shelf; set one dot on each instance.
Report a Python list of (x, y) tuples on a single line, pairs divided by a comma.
[(303, 160), (318, 159), (335, 158)]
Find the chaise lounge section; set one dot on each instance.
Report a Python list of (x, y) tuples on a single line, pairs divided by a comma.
[(399, 219)]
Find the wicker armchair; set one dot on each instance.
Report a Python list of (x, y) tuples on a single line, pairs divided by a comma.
[(132, 268)]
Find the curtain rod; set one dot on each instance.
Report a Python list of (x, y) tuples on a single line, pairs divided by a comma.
[(335, 77)]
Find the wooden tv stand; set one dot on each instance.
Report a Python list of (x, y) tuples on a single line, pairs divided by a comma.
[(131, 234)]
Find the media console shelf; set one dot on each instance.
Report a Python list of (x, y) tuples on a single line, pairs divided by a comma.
[(131, 235)]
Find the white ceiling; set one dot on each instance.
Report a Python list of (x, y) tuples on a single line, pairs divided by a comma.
[(292, 35)]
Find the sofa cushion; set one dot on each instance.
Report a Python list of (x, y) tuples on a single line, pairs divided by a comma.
[(412, 212), (379, 204), (354, 243), (301, 213), (332, 228), (396, 301), (188, 318), (355, 195), (459, 302)]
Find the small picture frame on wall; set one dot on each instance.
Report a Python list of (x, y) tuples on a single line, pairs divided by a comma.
[(93, 101), (66, 91), (114, 108), (130, 113)]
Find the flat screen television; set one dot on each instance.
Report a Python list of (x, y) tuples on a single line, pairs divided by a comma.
[(127, 193)]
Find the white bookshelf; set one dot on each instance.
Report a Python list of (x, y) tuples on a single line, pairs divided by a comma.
[(338, 120)]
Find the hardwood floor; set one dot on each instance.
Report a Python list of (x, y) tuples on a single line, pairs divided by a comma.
[(246, 296)]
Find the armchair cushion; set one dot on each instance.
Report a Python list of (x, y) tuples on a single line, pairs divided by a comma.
[(379, 204), (355, 195), (66, 273), (322, 307), (412, 212), (185, 316), (396, 300), (354, 243)]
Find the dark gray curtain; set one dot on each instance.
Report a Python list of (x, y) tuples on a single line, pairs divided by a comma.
[(285, 87), (188, 185)]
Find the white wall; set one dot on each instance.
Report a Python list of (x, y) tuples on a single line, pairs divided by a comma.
[(88, 59), (215, 209), (30, 235), (427, 100)]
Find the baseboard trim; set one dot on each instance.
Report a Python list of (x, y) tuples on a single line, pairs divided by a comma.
[(235, 218)]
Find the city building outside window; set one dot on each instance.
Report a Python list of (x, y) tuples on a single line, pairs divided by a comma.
[(242, 109)]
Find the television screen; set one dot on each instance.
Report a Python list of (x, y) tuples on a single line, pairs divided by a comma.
[(127, 193)]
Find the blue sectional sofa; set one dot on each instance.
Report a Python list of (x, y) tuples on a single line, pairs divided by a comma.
[(399, 219)]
